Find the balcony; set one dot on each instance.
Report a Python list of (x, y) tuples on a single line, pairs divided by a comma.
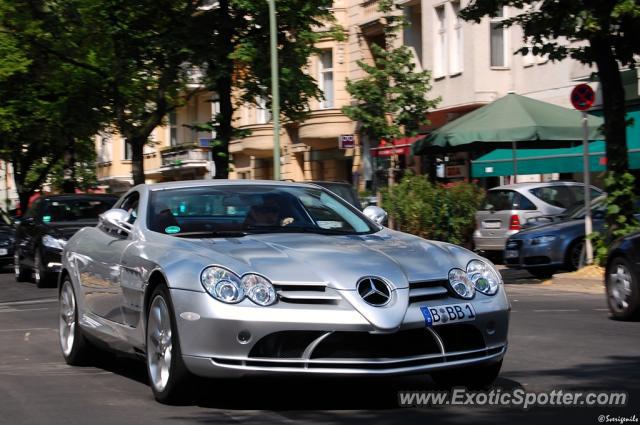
[(184, 161)]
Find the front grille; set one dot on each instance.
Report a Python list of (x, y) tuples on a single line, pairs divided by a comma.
[(428, 290)]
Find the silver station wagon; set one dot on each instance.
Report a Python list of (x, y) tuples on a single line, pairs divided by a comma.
[(235, 278)]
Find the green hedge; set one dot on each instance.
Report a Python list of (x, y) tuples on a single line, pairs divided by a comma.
[(434, 211)]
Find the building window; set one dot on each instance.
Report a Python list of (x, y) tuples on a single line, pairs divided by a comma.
[(128, 152), (498, 40), (173, 128), (413, 32), (455, 60), (325, 78), (104, 155), (440, 48), (263, 113)]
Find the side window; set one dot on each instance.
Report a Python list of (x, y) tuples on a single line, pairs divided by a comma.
[(32, 211), (558, 196), (523, 203), (130, 204)]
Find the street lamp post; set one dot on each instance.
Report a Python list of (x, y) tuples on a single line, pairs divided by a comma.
[(275, 89)]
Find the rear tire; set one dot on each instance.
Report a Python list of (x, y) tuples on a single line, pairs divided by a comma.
[(623, 290), (75, 348), (168, 376), (472, 377), (20, 272)]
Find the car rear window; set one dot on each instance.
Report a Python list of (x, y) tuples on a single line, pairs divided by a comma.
[(500, 200)]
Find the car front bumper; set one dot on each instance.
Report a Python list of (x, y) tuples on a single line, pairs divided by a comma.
[(221, 340), (521, 254)]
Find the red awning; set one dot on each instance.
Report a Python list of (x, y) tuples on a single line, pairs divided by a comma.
[(401, 146)]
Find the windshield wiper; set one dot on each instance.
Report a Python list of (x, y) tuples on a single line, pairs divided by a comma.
[(296, 229), (213, 234)]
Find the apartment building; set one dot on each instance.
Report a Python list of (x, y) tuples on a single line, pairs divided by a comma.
[(472, 65)]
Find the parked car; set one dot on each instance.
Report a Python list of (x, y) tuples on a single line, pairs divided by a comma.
[(232, 278), (343, 190), (45, 228), (547, 248), (7, 239), (622, 278), (507, 208)]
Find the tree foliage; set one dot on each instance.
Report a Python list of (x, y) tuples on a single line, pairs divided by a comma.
[(594, 32), (391, 98), (49, 108)]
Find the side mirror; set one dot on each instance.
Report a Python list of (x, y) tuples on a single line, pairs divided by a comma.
[(376, 214), (116, 218)]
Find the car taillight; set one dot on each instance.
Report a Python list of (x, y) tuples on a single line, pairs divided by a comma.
[(514, 222)]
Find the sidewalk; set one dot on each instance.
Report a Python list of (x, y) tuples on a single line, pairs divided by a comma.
[(589, 279)]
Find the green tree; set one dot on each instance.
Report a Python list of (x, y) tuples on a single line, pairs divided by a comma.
[(239, 65), (49, 108), (392, 97), (597, 32)]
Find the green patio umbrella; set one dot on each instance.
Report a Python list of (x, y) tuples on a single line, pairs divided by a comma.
[(511, 119)]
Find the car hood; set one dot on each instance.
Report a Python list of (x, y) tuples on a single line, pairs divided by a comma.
[(337, 261), (558, 227)]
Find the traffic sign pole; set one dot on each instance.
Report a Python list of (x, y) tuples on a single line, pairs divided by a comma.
[(582, 98)]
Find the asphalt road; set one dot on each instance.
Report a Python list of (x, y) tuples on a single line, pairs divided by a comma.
[(558, 340)]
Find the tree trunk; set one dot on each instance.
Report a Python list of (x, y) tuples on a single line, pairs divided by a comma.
[(69, 183), (223, 87), (137, 159), (615, 132)]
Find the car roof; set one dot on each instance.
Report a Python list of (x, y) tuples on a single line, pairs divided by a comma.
[(532, 185), (220, 182)]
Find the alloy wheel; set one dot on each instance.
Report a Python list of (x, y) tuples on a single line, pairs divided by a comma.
[(159, 343), (67, 319), (619, 288)]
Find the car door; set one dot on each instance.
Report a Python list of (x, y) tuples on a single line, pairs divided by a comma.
[(102, 268)]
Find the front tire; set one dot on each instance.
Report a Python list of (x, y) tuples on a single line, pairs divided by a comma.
[(75, 348), (19, 271), (623, 292), (168, 376), (477, 377), (575, 255), (41, 276)]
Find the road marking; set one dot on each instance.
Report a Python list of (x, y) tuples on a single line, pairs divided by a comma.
[(600, 309), (28, 330), (556, 310), (29, 302), (13, 310)]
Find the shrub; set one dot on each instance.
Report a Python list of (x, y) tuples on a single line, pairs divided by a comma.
[(434, 211)]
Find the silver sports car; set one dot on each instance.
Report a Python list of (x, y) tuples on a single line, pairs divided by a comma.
[(235, 278)]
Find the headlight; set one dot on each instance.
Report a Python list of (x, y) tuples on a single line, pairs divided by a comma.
[(540, 240), (483, 277), (461, 284), (222, 284), (51, 242), (258, 289)]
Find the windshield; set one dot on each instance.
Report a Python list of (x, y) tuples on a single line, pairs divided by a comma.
[(577, 211), (236, 210), (75, 209)]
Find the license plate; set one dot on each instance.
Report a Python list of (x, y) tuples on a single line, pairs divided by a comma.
[(491, 224), (3, 251), (451, 313), (511, 254)]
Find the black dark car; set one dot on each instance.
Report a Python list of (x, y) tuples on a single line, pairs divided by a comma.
[(45, 228), (622, 278), (7, 239)]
